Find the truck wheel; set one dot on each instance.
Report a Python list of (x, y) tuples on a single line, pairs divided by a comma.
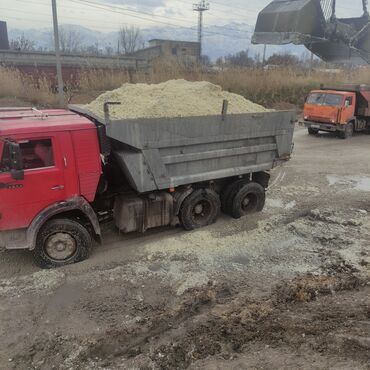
[(245, 199), (62, 242), (225, 194), (348, 132), (199, 209), (312, 131)]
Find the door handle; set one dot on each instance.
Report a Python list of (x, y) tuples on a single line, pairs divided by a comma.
[(58, 187)]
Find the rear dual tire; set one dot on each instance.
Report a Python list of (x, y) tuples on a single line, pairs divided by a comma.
[(242, 198), (201, 208)]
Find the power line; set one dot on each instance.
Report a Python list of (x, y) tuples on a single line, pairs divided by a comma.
[(93, 22), (103, 7), (237, 16), (106, 8), (216, 4), (121, 9)]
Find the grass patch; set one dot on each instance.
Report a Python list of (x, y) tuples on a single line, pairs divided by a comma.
[(273, 88)]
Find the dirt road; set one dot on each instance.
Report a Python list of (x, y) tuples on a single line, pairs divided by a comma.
[(286, 289)]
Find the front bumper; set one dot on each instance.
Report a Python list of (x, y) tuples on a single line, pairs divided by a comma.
[(330, 127)]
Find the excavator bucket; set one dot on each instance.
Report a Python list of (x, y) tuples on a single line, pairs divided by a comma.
[(289, 21), (313, 23), (339, 52)]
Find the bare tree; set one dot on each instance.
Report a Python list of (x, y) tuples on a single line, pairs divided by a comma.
[(108, 50), (70, 40), (130, 39), (22, 44)]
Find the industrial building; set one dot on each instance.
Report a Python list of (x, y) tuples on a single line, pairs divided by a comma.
[(184, 51)]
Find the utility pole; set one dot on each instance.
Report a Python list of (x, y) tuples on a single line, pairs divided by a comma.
[(333, 9), (264, 55), (200, 7), (57, 54), (364, 5), (311, 63)]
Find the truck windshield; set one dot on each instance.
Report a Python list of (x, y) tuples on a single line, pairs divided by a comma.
[(332, 100)]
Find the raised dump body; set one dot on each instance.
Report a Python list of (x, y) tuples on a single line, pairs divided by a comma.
[(157, 154)]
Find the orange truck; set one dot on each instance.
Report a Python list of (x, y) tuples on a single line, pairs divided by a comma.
[(343, 109)]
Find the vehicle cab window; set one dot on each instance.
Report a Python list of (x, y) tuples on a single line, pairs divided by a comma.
[(34, 153), (315, 98), (349, 101), (37, 153)]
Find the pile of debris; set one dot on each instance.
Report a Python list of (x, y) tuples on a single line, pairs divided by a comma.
[(175, 98)]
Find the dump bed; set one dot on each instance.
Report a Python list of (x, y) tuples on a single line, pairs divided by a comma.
[(164, 153)]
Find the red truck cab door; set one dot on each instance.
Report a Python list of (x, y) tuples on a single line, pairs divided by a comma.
[(348, 109), (43, 183)]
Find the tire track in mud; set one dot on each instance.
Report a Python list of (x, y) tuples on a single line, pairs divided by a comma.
[(210, 327), (220, 320)]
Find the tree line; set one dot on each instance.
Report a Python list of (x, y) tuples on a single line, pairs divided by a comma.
[(130, 39), (72, 42), (243, 59)]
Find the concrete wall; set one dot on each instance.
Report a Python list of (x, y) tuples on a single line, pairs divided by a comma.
[(148, 53), (36, 63), (37, 59)]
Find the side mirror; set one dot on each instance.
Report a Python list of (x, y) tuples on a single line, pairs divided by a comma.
[(17, 175), (16, 170)]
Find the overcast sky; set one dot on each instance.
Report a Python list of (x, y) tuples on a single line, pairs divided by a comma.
[(37, 13)]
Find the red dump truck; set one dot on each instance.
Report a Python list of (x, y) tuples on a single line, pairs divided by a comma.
[(343, 109), (64, 172)]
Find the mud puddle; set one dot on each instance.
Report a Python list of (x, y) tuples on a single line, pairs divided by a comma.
[(360, 183)]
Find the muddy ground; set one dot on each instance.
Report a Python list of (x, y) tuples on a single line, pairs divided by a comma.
[(285, 289)]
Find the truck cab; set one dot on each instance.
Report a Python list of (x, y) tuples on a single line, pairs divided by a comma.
[(330, 110), (49, 168)]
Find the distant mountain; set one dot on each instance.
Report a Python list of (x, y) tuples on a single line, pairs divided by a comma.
[(218, 40)]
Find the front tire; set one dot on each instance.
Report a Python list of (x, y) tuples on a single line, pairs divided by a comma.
[(348, 132), (62, 242), (201, 208), (312, 131)]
